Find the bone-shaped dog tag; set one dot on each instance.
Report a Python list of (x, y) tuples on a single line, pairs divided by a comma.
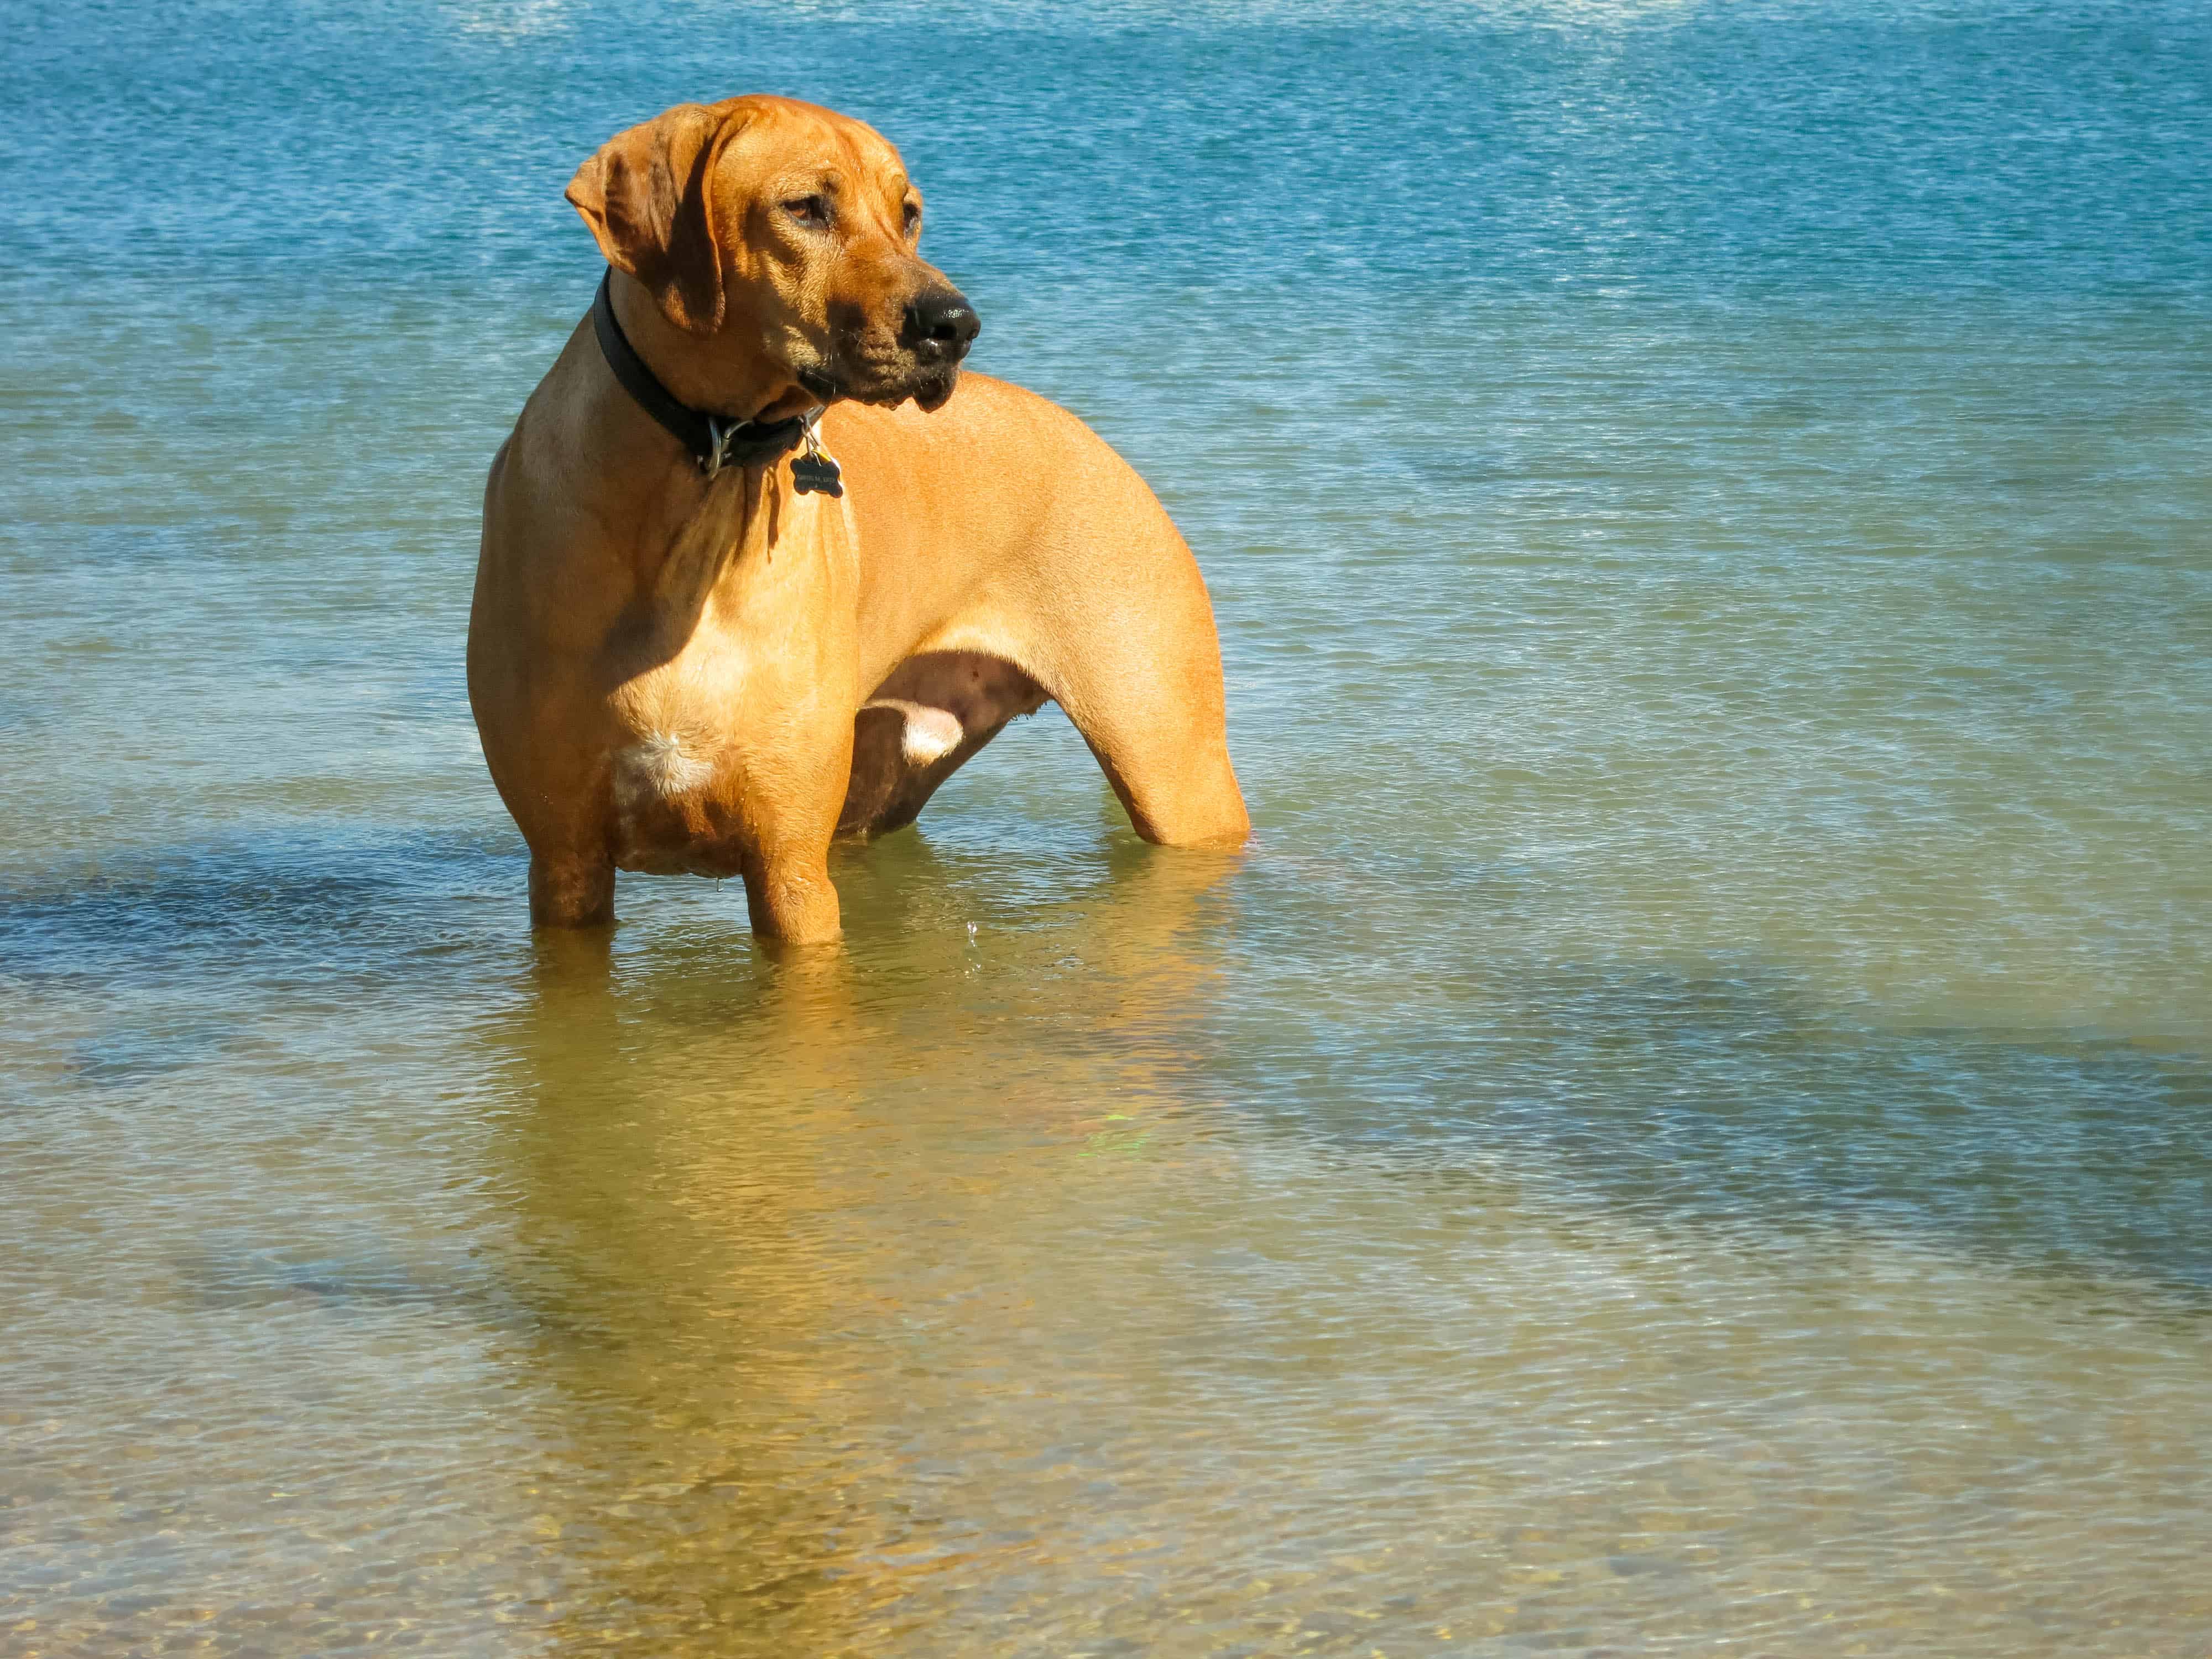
[(816, 472)]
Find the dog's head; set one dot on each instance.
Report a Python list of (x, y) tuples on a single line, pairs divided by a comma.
[(784, 229)]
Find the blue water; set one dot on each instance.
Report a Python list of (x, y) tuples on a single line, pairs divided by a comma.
[(1689, 1127)]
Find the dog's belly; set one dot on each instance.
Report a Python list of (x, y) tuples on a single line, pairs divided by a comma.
[(675, 781), (925, 722)]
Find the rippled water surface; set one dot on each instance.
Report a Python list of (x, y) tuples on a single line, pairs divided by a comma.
[(1691, 1129)]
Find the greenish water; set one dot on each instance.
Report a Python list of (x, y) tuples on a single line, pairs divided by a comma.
[(1690, 1128)]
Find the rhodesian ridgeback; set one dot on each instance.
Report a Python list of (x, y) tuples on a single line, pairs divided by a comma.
[(761, 567)]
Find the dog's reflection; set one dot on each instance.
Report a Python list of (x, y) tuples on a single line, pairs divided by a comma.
[(750, 1189)]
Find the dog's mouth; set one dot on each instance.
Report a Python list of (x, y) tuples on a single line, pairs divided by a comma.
[(886, 386), (917, 354), (933, 389)]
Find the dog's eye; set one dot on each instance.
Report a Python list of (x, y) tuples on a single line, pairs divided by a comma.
[(913, 217), (809, 209)]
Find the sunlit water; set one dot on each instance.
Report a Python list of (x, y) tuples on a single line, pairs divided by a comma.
[(1692, 1128)]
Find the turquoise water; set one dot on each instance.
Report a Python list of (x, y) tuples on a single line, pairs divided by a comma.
[(1691, 1126)]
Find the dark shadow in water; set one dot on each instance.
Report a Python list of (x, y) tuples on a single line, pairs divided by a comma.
[(128, 1054), (293, 902), (359, 1281), (1729, 1103)]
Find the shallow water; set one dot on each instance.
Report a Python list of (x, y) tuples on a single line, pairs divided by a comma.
[(1690, 1126)]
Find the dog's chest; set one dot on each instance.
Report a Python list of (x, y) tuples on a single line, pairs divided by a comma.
[(746, 690)]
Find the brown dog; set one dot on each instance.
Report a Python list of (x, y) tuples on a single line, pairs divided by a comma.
[(678, 661)]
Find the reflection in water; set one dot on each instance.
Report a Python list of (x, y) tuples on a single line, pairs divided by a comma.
[(756, 1201)]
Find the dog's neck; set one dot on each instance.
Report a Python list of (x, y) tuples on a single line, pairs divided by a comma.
[(683, 529), (715, 373)]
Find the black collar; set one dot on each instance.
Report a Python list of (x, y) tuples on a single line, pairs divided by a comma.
[(715, 442)]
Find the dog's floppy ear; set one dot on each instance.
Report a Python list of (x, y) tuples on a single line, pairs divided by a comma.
[(645, 196)]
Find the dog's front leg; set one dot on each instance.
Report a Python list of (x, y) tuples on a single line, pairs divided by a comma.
[(570, 889), (790, 896), (791, 805)]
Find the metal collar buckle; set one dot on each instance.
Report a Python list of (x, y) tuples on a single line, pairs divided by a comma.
[(719, 433)]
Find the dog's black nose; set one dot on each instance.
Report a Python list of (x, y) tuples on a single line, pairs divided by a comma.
[(942, 324)]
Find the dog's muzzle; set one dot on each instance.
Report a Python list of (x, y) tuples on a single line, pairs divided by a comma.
[(934, 334), (892, 355), (939, 327)]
